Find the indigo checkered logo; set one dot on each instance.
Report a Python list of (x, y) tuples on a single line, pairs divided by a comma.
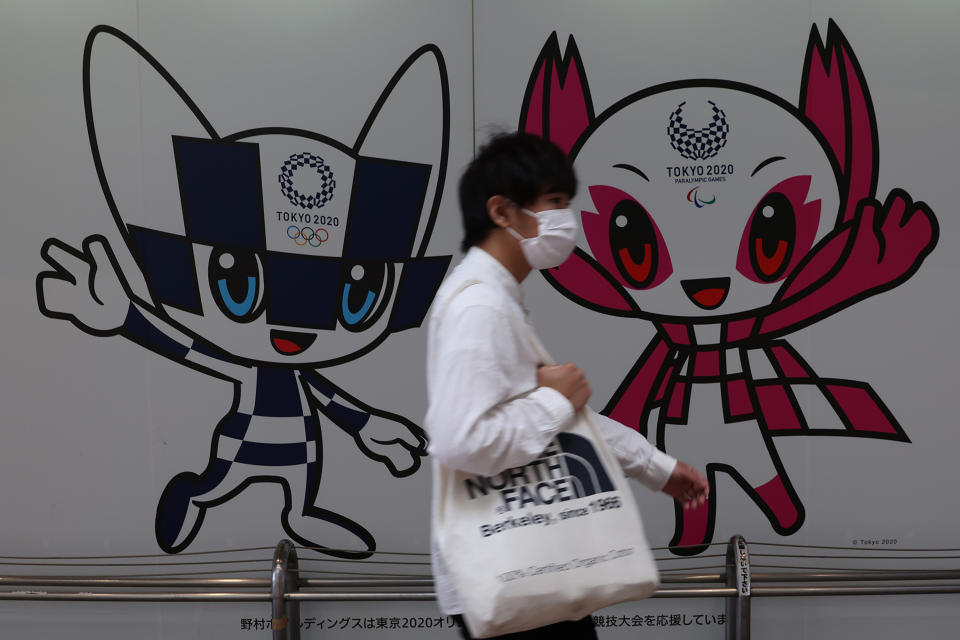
[(327, 183), (698, 144)]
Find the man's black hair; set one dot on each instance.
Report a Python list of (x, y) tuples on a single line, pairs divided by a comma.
[(517, 166)]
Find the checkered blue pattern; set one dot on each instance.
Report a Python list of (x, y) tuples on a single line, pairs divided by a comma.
[(698, 144), (277, 404), (307, 201), (276, 400)]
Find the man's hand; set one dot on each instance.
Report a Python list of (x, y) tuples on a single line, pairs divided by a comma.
[(687, 486), (569, 380)]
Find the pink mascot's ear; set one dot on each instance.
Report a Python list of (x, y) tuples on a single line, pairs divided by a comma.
[(835, 98), (557, 106)]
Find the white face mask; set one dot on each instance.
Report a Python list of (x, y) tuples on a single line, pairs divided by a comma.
[(555, 240)]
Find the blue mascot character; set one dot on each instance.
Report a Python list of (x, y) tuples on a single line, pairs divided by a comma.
[(268, 254)]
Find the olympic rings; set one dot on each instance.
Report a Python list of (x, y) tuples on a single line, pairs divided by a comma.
[(307, 235)]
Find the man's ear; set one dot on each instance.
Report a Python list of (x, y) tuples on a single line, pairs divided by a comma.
[(498, 208)]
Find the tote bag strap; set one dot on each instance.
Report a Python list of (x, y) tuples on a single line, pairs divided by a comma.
[(453, 294), (524, 329)]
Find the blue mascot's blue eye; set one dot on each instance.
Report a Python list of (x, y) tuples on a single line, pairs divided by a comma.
[(363, 294), (354, 317), (241, 308), (236, 282)]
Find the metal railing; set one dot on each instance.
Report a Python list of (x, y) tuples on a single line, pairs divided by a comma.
[(736, 580)]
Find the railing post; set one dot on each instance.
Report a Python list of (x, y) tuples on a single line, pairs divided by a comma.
[(285, 579), (738, 575)]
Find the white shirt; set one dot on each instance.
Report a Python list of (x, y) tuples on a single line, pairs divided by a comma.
[(477, 366)]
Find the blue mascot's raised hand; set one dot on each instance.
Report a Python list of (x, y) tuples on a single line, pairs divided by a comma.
[(84, 287)]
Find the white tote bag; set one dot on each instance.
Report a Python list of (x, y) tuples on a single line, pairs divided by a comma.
[(553, 540)]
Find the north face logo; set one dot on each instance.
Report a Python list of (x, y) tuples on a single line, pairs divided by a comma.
[(568, 468)]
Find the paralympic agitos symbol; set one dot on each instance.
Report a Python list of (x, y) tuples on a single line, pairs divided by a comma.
[(797, 232), (213, 244), (694, 196)]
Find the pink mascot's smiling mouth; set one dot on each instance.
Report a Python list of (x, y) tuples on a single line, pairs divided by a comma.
[(707, 293)]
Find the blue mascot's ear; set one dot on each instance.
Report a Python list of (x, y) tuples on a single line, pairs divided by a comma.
[(410, 123), (133, 108)]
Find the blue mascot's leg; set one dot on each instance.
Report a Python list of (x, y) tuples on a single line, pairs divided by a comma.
[(180, 510), (326, 531)]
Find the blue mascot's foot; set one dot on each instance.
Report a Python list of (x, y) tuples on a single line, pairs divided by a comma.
[(179, 513)]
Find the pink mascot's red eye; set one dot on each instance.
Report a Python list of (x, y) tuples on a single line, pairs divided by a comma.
[(780, 231)]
